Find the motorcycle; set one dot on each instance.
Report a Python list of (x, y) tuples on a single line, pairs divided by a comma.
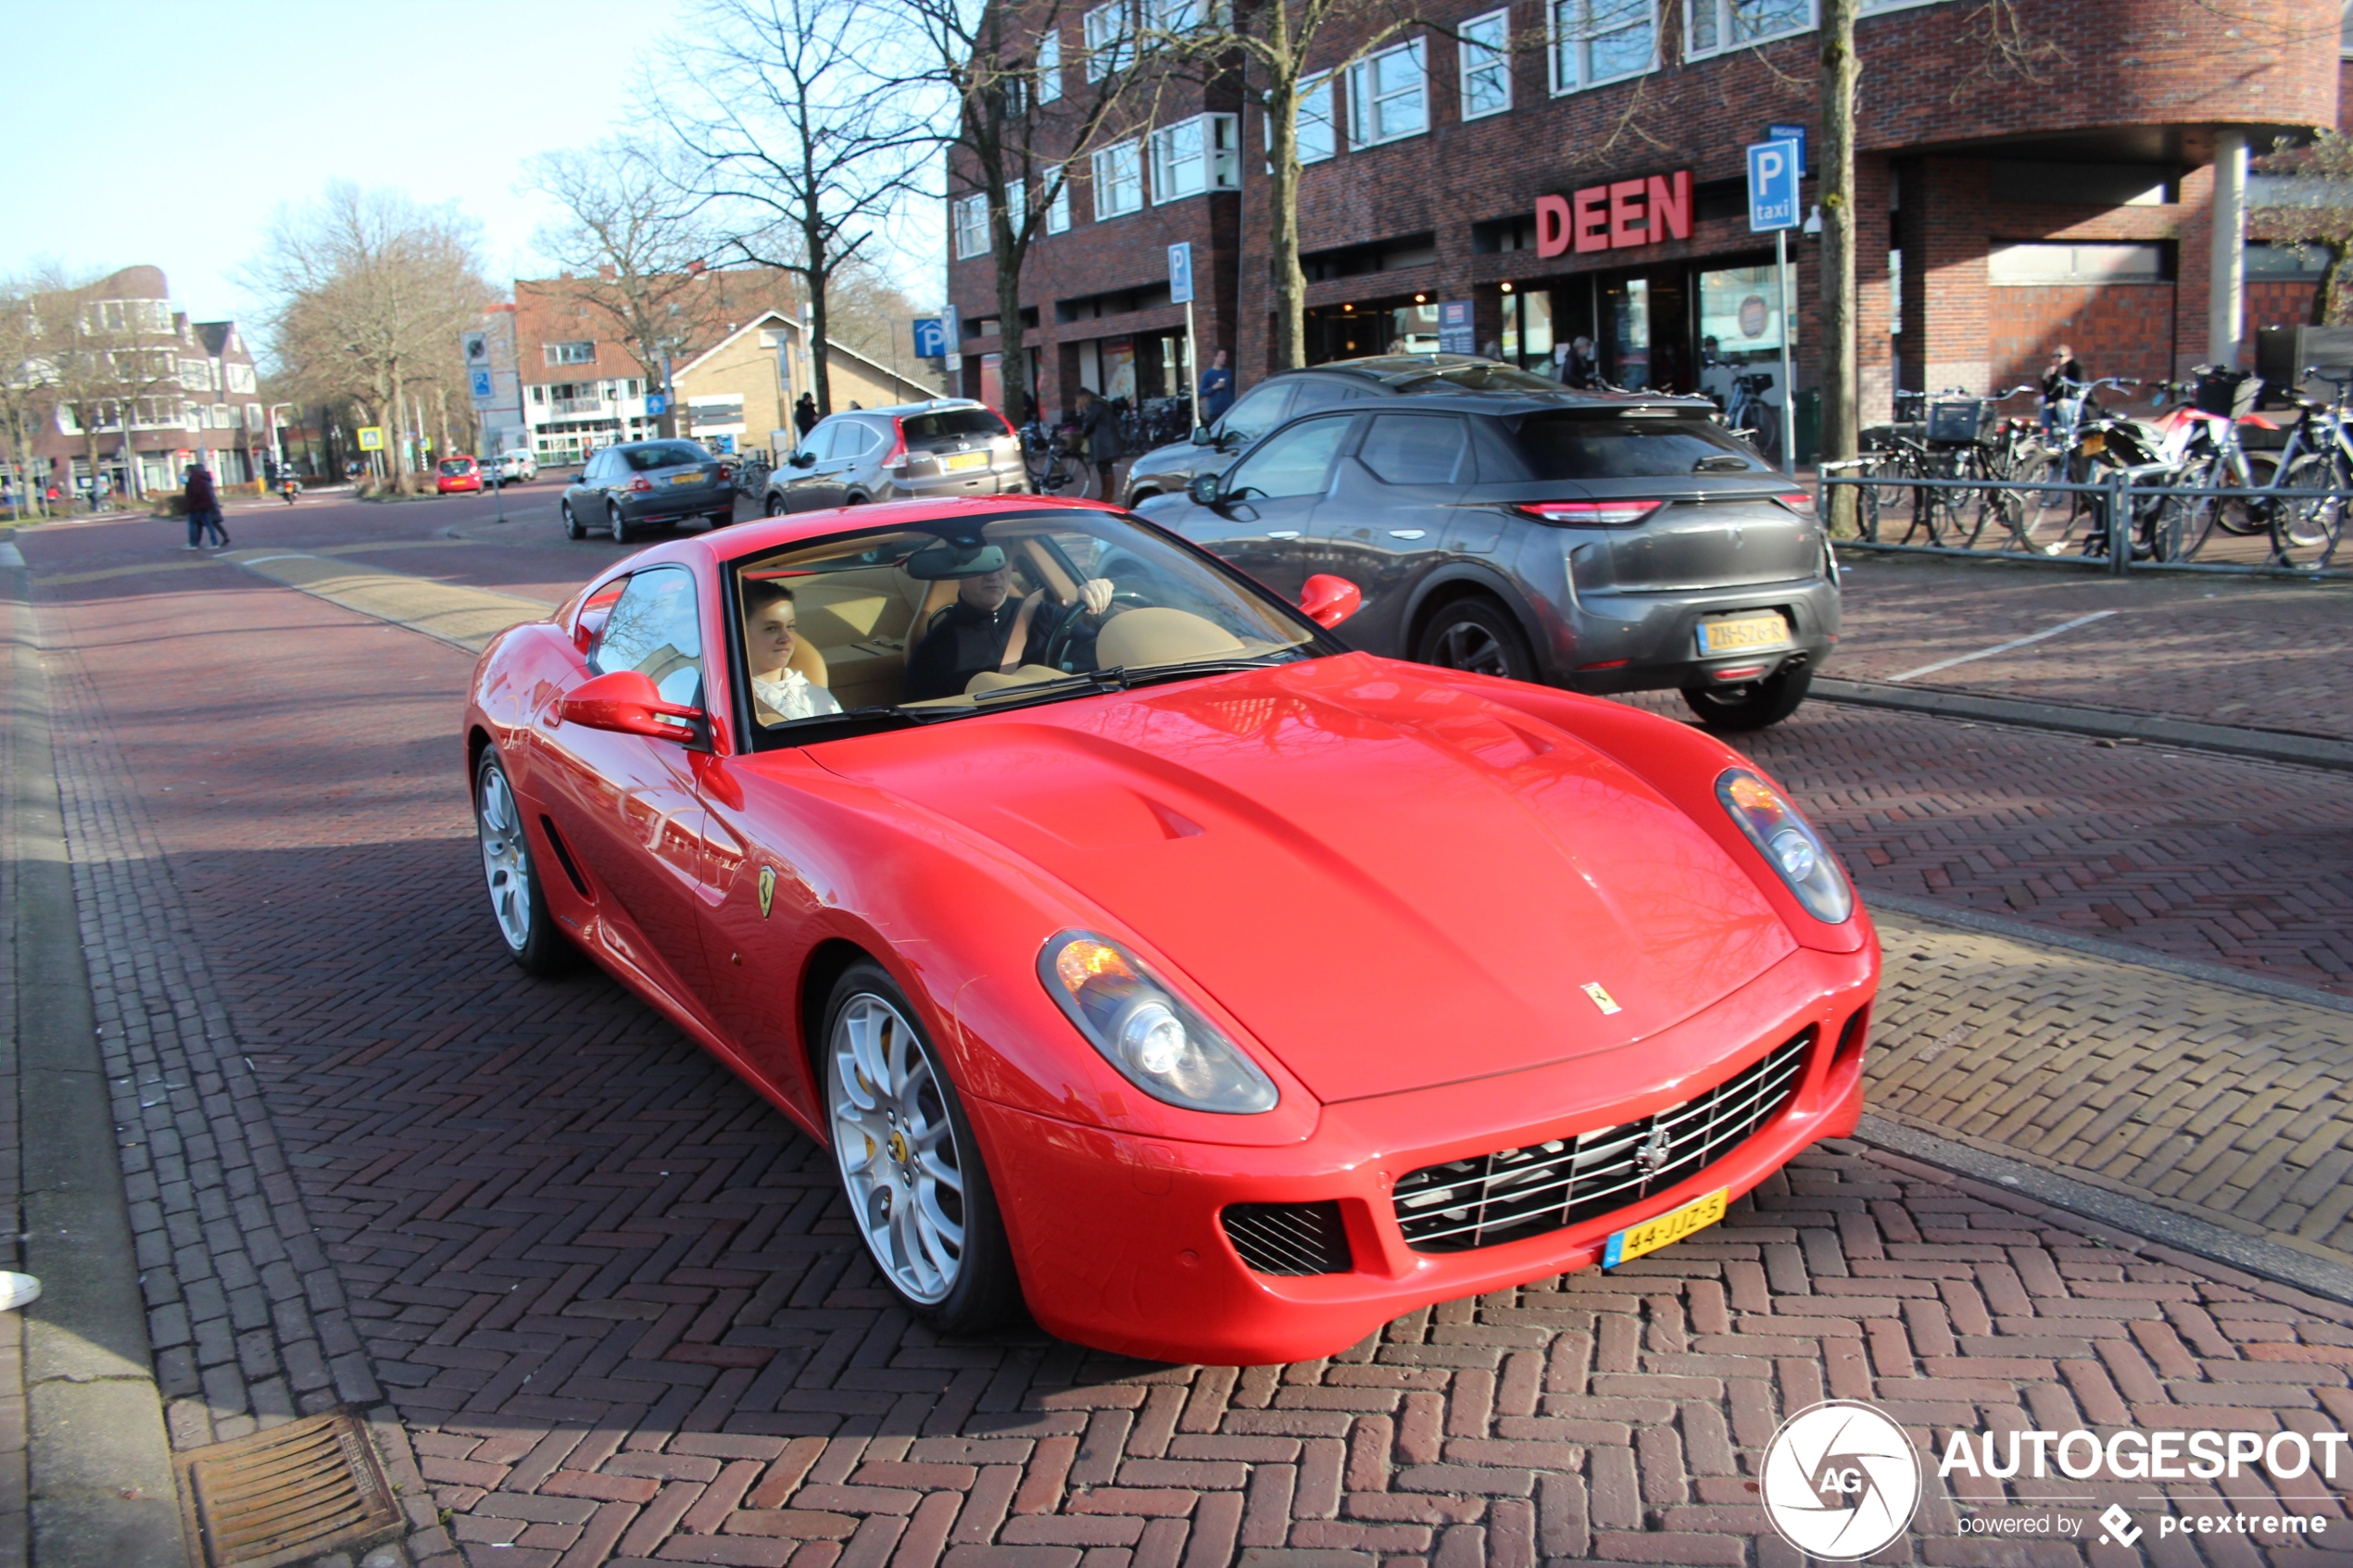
[(290, 487)]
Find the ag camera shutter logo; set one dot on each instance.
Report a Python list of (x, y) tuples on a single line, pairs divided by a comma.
[(1840, 1480)]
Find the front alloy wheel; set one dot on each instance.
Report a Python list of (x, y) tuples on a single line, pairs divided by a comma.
[(517, 902), (908, 1164)]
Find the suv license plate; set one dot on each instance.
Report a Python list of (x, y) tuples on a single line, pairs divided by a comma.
[(1739, 633), (957, 462), (1673, 1225)]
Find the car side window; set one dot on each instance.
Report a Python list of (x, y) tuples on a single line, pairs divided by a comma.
[(1315, 394), (833, 441), (654, 628), (1260, 410), (1416, 448), (1296, 461), (856, 439)]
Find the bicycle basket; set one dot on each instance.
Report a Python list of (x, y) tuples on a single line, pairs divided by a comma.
[(1955, 422), (2227, 393)]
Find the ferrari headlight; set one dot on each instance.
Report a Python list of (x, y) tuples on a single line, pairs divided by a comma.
[(1789, 844), (1158, 1044)]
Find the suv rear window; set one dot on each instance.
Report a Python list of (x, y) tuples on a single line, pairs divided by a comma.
[(951, 422), (664, 454), (1578, 445)]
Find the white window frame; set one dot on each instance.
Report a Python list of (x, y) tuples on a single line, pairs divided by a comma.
[(554, 352), (1364, 108), (195, 375), (1172, 17), (1125, 163), (1326, 87), (1479, 57), (1725, 42), (970, 220), (1058, 210), (1050, 66), (1215, 156), (1016, 205), (1557, 42), (1108, 50)]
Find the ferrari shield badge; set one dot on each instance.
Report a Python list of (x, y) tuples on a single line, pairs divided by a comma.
[(768, 891), (1602, 998)]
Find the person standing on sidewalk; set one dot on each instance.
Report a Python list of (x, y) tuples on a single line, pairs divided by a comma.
[(1099, 425), (804, 415), (204, 508), (1216, 389)]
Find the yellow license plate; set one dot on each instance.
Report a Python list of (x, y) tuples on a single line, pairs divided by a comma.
[(957, 462), (686, 479), (1766, 631), (1674, 1225), (2094, 443)]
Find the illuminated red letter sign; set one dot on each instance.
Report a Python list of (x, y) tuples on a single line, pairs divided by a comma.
[(1552, 225), (1591, 222), (1670, 197), (1628, 215), (1613, 217)]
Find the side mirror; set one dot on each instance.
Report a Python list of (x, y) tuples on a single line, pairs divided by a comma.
[(1203, 437), (1201, 490), (626, 702), (1329, 600), (803, 459)]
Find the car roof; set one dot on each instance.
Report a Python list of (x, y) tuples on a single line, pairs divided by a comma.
[(931, 407), (1506, 403)]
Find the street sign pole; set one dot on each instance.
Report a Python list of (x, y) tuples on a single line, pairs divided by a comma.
[(1774, 169), (1789, 387)]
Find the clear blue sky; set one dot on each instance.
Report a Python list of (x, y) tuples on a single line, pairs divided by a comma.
[(246, 104)]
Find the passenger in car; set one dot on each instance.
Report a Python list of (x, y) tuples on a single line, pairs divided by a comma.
[(986, 630), (781, 686)]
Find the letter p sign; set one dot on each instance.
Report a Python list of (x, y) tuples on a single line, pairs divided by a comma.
[(1772, 186)]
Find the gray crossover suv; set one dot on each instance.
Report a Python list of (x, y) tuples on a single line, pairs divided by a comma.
[(1288, 395), (951, 447), (1604, 543), (642, 484)]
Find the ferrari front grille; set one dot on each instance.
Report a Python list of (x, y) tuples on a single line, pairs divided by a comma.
[(1516, 1193), (1289, 1238)]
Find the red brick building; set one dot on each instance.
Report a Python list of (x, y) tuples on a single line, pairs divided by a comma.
[(2063, 188)]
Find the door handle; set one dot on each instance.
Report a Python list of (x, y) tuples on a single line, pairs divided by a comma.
[(1282, 533), (1407, 532)]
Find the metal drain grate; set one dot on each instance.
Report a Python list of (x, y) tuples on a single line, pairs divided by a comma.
[(287, 1494)]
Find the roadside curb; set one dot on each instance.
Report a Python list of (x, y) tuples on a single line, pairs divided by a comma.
[(2253, 1254), (101, 1486), (2271, 745)]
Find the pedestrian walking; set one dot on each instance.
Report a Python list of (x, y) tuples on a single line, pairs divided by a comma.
[(2064, 368), (1576, 366), (204, 508), (1099, 427), (804, 415), (1216, 389)]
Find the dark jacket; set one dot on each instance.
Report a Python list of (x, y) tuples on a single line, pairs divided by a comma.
[(199, 493), (804, 415), (1100, 425), (962, 642), (1216, 393), (2052, 392)]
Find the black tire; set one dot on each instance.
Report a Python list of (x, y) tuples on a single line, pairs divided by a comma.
[(571, 524), (618, 523), (1750, 704), (720, 519), (1477, 634), (772, 505), (519, 913), (985, 1290)]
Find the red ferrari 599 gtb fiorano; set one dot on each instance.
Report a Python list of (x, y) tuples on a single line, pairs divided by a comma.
[(1144, 955)]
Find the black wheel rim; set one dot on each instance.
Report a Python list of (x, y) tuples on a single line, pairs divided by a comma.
[(1467, 645)]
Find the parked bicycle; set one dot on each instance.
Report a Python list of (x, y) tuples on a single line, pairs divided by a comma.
[(1051, 455)]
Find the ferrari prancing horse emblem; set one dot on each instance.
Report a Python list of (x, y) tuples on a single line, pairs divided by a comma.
[(767, 890), (1602, 998)]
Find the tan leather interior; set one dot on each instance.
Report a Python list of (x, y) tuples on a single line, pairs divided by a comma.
[(808, 661), (997, 679), (1155, 635)]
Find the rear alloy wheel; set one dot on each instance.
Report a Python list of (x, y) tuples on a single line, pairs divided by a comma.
[(517, 904), (1750, 704), (571, 524), (909, 1165), (1475, 634), (618, 523)]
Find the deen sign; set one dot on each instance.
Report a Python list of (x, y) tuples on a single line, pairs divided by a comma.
[(1613, 216)]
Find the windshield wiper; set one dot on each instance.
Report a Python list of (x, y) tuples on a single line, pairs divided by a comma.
[(1153, 674), (1109, 680)]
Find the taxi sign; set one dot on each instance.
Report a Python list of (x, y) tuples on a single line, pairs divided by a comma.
[(1773, 171)]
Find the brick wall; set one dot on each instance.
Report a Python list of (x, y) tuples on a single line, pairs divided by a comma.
[(2116, 330)]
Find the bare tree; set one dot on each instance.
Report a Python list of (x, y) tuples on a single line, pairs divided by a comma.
[(639, 238), (366, 292), (1842, 356), (2310, 210), (25, 398), (797, 134)]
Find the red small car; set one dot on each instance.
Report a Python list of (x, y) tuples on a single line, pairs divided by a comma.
[(1145, 957), (457, 475)]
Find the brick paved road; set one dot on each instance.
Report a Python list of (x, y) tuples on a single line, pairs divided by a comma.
[(619, 1315)]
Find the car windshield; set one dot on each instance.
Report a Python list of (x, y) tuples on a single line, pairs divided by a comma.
[(941, 620), (951, 422), (1638, 446), (663, 455)]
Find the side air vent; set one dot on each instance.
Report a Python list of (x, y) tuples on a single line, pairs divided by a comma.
[(1289, 1238)]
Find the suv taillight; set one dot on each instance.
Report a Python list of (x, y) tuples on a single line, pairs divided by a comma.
[(1590, 514), (896, 465), (1796, 501)]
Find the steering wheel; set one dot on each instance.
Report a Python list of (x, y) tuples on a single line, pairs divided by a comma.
[(1076, 618)]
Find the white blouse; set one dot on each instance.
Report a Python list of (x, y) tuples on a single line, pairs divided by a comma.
[(793, 697)]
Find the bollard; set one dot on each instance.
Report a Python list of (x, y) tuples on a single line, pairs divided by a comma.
[(2120, 524)]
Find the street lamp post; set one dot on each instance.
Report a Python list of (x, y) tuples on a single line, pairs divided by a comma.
[(278, 432)]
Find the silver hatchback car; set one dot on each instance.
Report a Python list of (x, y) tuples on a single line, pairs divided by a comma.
[(950, 446)]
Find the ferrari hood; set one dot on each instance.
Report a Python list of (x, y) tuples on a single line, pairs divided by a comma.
[(1391, 882)]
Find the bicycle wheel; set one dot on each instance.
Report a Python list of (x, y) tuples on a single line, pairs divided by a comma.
[(2305, 531), (2246, 516)]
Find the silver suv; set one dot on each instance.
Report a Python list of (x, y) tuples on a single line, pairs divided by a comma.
[(949, 446)]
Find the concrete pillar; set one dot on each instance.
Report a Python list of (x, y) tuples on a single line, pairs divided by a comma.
[(2226, 290)]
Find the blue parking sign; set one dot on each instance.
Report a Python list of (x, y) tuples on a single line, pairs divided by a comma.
[(1773, 172), (1180, 273), (931, 337)]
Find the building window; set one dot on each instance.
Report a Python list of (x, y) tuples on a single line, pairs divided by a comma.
[(195, 375), (1170, 17), (1598, 41), (1319, 124), (2045, 263), (1387, 97), (972, 227), (1487, 64), (1119, 180), (240, 377), (538, 393), (1714, 25), (1195, 155), (571, 353), (1111, 43), (1058, 210), (1016, 205), (1050, 67)]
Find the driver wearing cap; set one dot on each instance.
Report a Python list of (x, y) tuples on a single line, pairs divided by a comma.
[(984, 629)]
